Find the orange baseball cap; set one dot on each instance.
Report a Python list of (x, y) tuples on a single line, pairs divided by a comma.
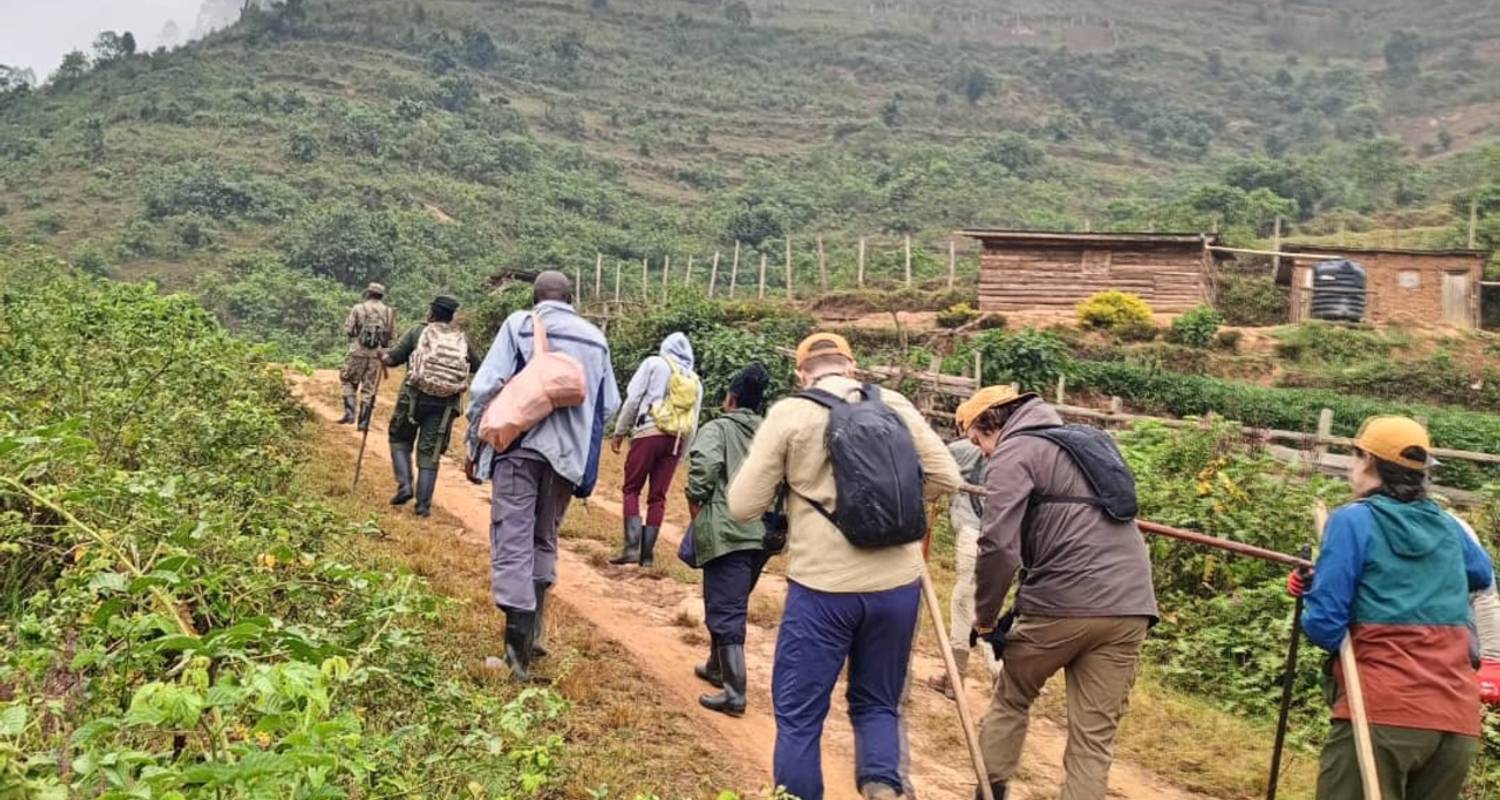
[(984, 400), (823, 344), (1387, 438)]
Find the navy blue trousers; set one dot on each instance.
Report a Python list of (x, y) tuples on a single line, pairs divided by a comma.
[(727, 583), (819, 632)]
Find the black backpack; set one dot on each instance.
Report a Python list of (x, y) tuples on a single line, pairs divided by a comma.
[(876, 471), (1097, 457)]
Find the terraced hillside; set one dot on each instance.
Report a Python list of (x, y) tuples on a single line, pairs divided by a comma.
[(317, 144)]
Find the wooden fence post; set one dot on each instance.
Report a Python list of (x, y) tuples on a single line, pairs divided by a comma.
[(646, 279), (687, 279), (1062, 387), (952, 263), (908, 261), (822, 266), (1116, 405), (617, 287), (1276, 248), (713, 274), (788, 266), (734, 270), (761, 295), (666, 274), (578, 282), (1473, 219), (978, 369), (861, 274), (1325, 430), (598, 277)]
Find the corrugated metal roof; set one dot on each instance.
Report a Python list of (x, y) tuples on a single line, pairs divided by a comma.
[(1291, 247), (1102, 237)]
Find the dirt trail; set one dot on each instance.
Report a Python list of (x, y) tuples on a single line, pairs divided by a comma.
[(645, 614)]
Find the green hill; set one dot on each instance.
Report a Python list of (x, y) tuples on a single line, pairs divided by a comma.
[(278, 165)]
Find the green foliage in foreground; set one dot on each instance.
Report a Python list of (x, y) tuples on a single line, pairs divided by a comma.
[(175, 622), (1289, 409)]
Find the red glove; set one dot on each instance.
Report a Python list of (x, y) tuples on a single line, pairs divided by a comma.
[(1299, 582), (1489, 682)]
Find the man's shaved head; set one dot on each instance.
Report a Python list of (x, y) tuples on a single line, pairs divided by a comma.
[(552, 285)]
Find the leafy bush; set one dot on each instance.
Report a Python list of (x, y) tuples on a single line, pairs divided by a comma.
[(1196, 328), (957, 315), (1228, 340), (1155, 391), (163, 570), (1319, 342), (1252, 301), (215, 191), (1113, 309), (1032, 358), (1137, 332)]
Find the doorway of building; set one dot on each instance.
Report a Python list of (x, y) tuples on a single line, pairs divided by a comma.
[(1458, 300)]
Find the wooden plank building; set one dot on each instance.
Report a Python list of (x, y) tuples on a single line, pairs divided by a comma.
[(1423, 287), (1027, 270)]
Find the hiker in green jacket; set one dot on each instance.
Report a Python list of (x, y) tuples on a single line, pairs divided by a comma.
[(731, 554), (439, 361)]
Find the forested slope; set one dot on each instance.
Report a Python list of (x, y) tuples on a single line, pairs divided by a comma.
[(276, 166)]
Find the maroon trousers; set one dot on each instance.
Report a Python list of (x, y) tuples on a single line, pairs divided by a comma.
[(652, 458)]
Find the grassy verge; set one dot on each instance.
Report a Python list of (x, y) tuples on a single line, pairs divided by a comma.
[(621, 736)]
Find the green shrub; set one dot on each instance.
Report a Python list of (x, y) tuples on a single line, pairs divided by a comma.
[(1113, 309), (1155, 391), (1228, 340), (956, 316), (1032, 358), (1196, 328), (218, 634), (1252, 301), (1329, 343)]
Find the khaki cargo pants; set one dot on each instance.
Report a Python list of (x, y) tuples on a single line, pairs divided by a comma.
[(1098, 656)]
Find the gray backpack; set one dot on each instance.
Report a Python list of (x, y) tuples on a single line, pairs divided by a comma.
[(876, 472)]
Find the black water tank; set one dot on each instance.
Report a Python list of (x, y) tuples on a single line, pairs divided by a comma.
[(1338, 291)]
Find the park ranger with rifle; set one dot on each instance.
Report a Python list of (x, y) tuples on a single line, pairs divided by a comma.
[(439, 362), (369, 327)]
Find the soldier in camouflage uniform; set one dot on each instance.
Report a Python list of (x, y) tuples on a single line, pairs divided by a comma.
[(369, 326), (423, 421)]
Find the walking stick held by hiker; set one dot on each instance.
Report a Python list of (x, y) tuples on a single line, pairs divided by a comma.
[(971, 737), (364, 437), (1288, 681), (1363, 748)]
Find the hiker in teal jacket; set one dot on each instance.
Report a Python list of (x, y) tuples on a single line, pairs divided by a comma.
[(1395, 576), (730, 553)]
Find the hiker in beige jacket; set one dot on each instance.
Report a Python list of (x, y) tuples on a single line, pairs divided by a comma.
[(843, 603)]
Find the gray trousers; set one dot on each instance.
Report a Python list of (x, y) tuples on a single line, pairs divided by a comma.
[(527, 502)]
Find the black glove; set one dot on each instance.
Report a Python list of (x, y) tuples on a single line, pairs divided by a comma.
[(995, 638)]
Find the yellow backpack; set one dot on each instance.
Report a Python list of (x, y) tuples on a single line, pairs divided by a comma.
[(674, 413)]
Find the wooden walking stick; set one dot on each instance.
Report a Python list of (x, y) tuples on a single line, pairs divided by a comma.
[(1364, 748), (364, 438), (971, 736)]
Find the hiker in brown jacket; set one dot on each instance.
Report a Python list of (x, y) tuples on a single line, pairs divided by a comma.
[(1085, 600)]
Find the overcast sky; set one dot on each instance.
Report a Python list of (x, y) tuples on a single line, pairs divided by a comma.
[(36, 33)]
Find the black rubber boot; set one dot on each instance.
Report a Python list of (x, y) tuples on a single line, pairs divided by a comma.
[(401, 466), (731, 701), (365, 410), (426, 484), (709, 671), (348, 411), (538, 647), (520, 628), (631, 552), (648, 545), (997, 788)]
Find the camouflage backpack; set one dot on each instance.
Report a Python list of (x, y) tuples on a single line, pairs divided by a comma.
[(440, 364), (374, 329)]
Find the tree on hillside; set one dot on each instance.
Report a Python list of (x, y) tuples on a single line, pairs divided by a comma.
[(1023, 157), (110, 47), (93, 137), (975, 82), (738, 14), (15, 80), (890, 113), (479, 49), (1403, 53), (72, 69)]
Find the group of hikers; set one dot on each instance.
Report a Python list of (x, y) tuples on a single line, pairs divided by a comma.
[(838, 474)]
